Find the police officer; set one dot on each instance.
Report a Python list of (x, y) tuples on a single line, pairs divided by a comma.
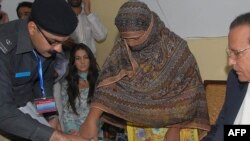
[(27, 50)]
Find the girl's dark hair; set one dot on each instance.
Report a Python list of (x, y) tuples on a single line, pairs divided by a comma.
[(73, 77)]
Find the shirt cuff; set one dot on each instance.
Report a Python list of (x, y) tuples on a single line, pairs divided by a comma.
[(42, 133)]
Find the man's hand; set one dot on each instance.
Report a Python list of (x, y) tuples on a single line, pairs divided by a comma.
[(87, 6), (59, 136)]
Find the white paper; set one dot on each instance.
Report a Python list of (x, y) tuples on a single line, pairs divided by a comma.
[(31, 110)]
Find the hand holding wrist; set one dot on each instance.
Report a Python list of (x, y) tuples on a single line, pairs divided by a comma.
[(59, 136)]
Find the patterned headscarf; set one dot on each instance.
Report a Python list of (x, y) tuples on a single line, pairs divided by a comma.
[(133, 16), (155, 84)]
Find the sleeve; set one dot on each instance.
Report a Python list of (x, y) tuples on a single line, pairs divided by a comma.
[(217, 131), (67, 118), (13, 120), (98, 29)]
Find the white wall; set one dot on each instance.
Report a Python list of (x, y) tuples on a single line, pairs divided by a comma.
[(199, 18), (9, 6), (209, 52), (187, 18)]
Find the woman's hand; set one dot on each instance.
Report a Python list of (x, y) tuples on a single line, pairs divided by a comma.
[(173, 134), (89, 129)]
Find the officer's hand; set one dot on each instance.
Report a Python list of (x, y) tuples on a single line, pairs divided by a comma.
[(59, 136)]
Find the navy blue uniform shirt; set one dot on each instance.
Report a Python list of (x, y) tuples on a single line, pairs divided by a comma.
[(19, 82)]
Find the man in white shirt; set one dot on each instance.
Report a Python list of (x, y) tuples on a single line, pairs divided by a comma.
[(236, 110), (88, 31), (89, 28)]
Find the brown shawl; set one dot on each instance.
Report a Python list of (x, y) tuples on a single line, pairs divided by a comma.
[(156, 84)]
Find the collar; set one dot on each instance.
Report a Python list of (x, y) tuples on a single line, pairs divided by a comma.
[(23, 39)]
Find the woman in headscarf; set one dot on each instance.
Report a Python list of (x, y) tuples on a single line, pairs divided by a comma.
[(150, 79)]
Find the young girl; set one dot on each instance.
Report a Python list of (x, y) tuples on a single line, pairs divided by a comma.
[(78, 88)]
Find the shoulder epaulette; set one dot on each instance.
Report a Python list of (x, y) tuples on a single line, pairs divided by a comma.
[(6, 44), (8, 35)]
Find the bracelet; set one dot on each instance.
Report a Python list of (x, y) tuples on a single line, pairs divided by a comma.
[(52, 117)]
